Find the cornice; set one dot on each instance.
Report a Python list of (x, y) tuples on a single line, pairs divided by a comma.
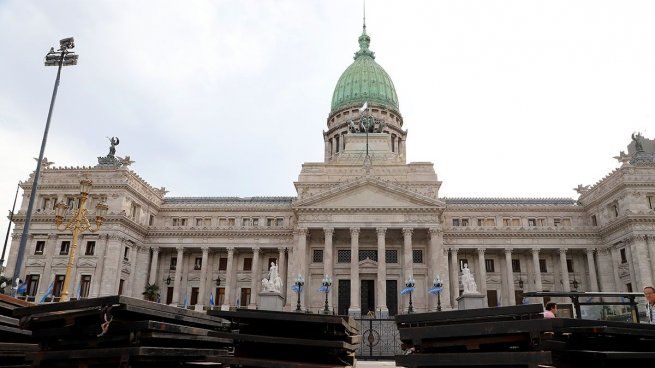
[(624, 221)]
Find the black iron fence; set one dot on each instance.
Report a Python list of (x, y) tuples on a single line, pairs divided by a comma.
[(380, 338)]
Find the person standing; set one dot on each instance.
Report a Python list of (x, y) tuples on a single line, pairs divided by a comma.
[(649, 293)]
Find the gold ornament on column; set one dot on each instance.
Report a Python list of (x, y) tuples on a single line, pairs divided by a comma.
[(78, 223)]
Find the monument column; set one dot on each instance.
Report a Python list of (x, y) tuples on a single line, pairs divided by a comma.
[(282, 270), (564, 270), (482, 272), (229, 279), (355, 308), (154, 262), (538, 286), (643, 262), (178, 275), (328, 259), (510, 277), (616, 261), (593, 279), (382, 273), (202, 285), (301, 258), (454, 277), (255, 278), (408, 259)]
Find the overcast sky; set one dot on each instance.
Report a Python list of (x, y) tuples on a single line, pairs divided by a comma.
[(216, 98)]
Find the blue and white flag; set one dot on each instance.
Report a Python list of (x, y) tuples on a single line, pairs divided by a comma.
[(296, 288), (407, 290), (435, 290), (237, 304), (47, 292), (186, 301), (22, 288), (211, 299), (324, 289)]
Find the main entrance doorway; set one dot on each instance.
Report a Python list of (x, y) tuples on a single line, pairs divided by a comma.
[(344, 297), (367, 293)]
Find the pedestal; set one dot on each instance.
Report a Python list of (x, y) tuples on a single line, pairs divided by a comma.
[(470, 301), (271, 301)]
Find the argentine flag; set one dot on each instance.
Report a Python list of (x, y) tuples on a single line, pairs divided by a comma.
[(211, 299), (186, 301), (296, 288), (364, 107), (406, 290), (324, 289), (47, 292)]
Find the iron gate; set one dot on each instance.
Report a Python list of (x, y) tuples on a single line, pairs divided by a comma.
[(380, 338)]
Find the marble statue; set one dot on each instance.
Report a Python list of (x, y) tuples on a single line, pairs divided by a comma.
[(468, 282), (273, 283)]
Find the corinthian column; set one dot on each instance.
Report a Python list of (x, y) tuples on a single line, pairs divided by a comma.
[(328, 259), (229, 279), (153, 265), (454, 277), (537, 270), (382, 272), (355, 308), (301, 259), (482, 271), (203, 278), (510, 277), (178, 275), (564, 270), (255, 279), (438, 265), (408, 258)]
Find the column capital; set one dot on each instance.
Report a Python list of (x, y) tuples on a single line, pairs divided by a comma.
[(155, 248), (407, 231), (508, 251), (328, 231), (205, 249), (302, 231), (179, 249), (435, 231), (562, 251), (536, 250), (256, 249), (281, 249), (482, 250), (230, 250), (590, 250), (354, 231), (453, 250), (381, 231)]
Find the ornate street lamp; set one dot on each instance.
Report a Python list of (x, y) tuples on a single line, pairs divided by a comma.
[(168, 279), (218, 281), (297, 287), (575, 283), (437, 287), (78, 223), (325, 287), (521, 282), (409, 288), (59, 58)]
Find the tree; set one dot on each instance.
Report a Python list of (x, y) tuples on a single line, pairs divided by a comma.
[(150, 292)]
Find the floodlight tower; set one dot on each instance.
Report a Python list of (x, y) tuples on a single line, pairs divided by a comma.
[(59, 58)]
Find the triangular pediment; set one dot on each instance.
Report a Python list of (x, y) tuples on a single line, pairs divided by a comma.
[(368, 193)]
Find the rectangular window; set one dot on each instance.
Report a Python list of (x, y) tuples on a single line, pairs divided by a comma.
[(151, 220), (465, 222), (47, 203), (65, 247), (176, 221), (343, 255), (615, 210), (90, 248), (594, 220), (513, 222), (270, 222), (624, 259), (566, 221), (71, 202), (58, 285), (121, 286), (317, 256), (557, 221), (222, 264), (486, 222), (569, 265), (247, 264), (245, 222), (489, 265), (628, 287), (371, 254), (516, 265), (231, 222), (199, 222), (417, 255), (279, 222), (126, 254), (40, 247), (255, 222), (220, 296), (173, 263), (651, 202), (542, 266), (32, 284), (455, 222), (532, 222), (197, 265), (391, 256), (85, 286), (245, 297)]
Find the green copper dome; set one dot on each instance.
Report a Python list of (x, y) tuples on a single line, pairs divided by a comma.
[(364, 80)]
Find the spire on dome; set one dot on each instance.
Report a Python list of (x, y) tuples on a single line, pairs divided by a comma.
[(364, 40)]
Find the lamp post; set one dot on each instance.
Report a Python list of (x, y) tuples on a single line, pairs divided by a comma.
[(327, 282), (59, 58), (78, 223), (298, 284), (409, 284), (437, 287)]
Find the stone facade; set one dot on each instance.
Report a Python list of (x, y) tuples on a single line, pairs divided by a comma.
[(367, 221)]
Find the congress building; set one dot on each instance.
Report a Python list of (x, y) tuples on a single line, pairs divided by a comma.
[(364, 216)]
